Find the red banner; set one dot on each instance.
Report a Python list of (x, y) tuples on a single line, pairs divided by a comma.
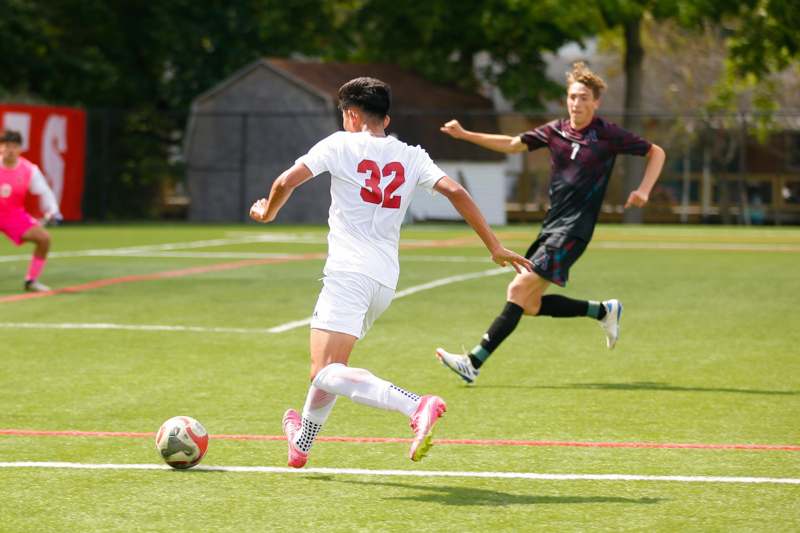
[(55, 139)]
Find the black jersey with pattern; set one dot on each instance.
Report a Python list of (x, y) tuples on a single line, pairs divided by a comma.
[(581, 162)]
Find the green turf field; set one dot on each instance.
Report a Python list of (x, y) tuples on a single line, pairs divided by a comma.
[(709, 354)]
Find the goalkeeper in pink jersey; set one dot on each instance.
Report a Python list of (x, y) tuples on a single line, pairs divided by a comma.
[(17, 177)]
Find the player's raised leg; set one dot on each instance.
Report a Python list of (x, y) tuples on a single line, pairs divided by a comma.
[(608, 313), (363, 387), (331, 377), (523, 297)]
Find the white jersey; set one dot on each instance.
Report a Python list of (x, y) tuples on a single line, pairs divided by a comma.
[(372, 182)]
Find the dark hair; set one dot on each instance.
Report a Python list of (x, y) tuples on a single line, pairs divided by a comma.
[(11, 136), (371, 95)]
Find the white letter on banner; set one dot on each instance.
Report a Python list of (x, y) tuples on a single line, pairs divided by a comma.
[(20, 122), (54, 143)]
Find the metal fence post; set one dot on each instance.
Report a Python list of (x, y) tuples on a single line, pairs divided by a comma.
[(243, 170)]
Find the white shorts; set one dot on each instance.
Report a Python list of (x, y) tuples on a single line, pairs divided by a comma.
[(350, 303)]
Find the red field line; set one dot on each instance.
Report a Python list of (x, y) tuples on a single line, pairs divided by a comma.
[(212, 268), (467, 442), (162, 275)]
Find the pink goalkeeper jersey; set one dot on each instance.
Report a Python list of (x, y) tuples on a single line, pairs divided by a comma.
[(15, 184)]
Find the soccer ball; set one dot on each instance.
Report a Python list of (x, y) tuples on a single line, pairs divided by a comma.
[(182, 442)]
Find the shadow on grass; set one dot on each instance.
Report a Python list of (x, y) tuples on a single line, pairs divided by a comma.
[(646, 386), (449, 495)]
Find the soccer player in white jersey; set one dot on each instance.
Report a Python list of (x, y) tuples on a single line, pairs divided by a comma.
[(17, 177), (373, 177)]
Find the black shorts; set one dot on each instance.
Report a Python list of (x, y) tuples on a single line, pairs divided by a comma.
[(553, 255)]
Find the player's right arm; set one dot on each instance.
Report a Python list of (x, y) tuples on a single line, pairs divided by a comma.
[(499, 143), (466, 206), (266, 209), (315, 162)]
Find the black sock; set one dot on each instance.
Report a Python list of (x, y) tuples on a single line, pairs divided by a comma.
[(559, 306), (501, 328)]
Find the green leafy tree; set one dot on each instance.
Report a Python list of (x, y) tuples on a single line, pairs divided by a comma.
[(627, 15), (138, 65), (144, 62), (445, 40)]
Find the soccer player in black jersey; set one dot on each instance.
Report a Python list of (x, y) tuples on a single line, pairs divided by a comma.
[(582, 148)]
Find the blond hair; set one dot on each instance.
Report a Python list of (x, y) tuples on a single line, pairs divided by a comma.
[(581, 74)]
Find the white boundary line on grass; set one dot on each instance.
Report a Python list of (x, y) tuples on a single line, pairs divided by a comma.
[(699, 246), (169, 249), (246, 255), (405, 292), (202, 329), (129, 327), (415, 473), (135, 251)]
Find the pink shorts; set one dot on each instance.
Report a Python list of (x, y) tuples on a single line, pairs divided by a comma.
[(15, 223)]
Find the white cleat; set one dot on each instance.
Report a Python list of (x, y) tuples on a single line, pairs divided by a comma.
[(35, 286), (458, 363), (610, 322)]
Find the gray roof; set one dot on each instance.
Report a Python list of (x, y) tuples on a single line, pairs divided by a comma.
[(419, 106)]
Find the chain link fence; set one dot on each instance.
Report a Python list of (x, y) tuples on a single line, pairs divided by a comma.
[(726, 168)]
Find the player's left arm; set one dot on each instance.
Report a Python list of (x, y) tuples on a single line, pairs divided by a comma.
[(655, 162), (47, 200), (469, 210), (266, 209)]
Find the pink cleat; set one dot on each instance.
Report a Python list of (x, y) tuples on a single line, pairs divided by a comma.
[(291, 425), (430, 409)]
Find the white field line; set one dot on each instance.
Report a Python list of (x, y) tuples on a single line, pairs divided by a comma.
[(414, 473), (130, 327), (445, 259), (202, 329), (132, 251), (447, 281), (158, 250), (405, 292), (198, 255), (243, 255), (254, 255), (702, 246)]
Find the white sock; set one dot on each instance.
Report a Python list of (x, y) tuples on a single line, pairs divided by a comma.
[(363, 387), (319, 405)]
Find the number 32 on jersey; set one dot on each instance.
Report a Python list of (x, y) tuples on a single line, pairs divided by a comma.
[(371, 191)]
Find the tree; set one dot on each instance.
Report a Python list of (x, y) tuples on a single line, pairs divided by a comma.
[(718, 105), (764, 40), (443, 41), (764, 37), (142, 64), (628, 15), (152, 59)]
